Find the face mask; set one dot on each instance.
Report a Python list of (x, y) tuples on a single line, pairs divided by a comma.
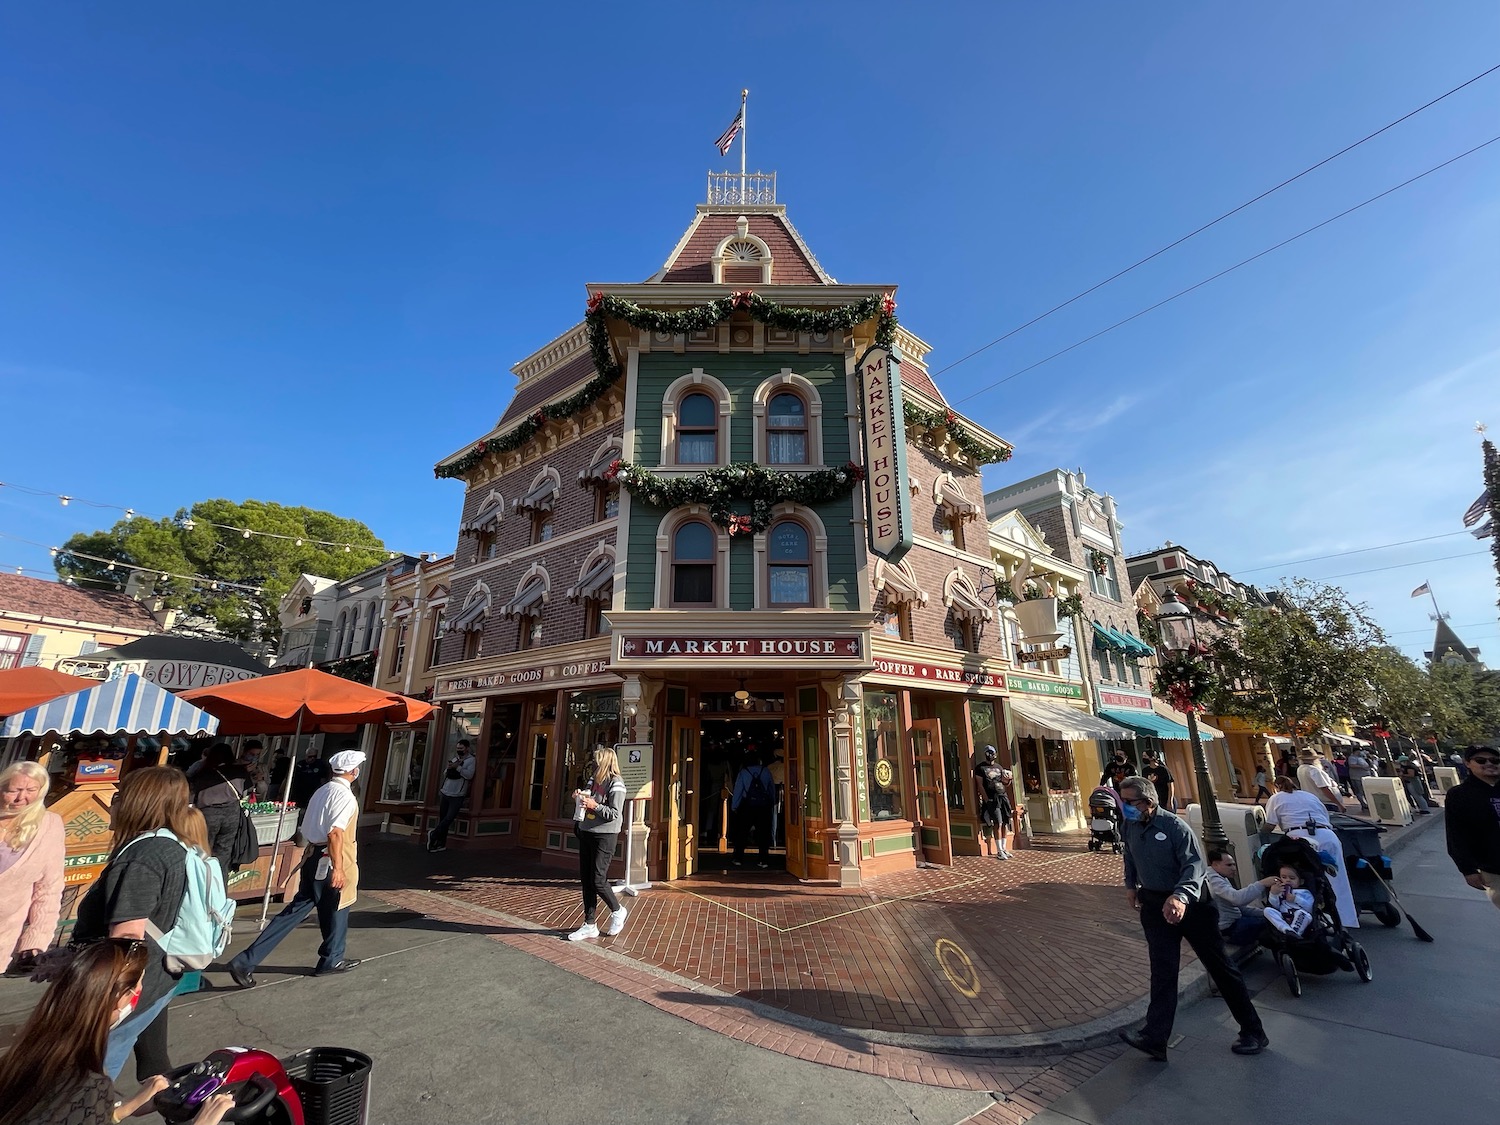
[(122, 1014), (1132, 813)]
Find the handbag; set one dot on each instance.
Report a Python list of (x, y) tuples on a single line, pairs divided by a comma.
[(246, 843)]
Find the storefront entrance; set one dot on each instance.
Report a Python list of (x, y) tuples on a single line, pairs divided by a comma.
[(726, 747)]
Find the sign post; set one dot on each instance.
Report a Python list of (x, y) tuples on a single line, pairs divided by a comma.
[(636, 772)]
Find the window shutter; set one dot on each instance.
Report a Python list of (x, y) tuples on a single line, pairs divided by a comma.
[(87, 647), (33, 653)]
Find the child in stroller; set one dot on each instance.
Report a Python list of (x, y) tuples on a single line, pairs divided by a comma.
[(1105, 817), (1304, 934)]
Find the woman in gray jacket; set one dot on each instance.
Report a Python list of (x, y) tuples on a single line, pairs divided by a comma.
[(599, 813)]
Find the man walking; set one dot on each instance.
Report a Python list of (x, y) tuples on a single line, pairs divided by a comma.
[(1165, 879), (1157, 774), (1313, 778), (452, 794), (330, 876), (753, 804), (1473, 816)]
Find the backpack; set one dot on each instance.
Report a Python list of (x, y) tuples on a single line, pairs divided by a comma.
[(761, 792), (205, 918)]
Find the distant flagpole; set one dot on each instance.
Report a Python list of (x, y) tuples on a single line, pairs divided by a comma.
[(744, 100)]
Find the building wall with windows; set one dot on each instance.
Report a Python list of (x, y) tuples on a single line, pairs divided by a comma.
[(43, 623)]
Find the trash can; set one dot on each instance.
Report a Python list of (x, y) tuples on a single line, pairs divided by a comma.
[(333, 1083)]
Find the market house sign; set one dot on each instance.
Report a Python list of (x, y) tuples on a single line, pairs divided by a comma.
[(648, 648), (883, 422)]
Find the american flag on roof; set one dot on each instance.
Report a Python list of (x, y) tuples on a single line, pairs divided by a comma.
[(1424, 588), (727, 137), (1477, 509)]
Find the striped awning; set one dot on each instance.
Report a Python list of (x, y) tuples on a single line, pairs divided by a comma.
[(900, 585), (471, 618), (952, 497), (127, 705), (1045, 719), (598, 470), (527, 601), (1107, 639), (486, 519), (965, 604), (539, 499), (595, 579)]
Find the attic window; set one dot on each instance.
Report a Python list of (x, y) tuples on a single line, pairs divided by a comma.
[(305, 608), (742, 258)]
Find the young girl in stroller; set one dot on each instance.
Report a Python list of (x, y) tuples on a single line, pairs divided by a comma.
[(1105, 818), (1304, 933)]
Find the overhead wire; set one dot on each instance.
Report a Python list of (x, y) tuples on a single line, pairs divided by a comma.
[(1229, 270), (1215, 222), (1341, 554)]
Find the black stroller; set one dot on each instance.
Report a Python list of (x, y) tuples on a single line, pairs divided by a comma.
[(1106, 815), (1324, 946)]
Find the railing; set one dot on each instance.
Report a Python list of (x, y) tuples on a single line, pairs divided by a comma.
[(733, 189)]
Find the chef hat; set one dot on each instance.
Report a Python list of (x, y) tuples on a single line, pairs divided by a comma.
[(347, 761)]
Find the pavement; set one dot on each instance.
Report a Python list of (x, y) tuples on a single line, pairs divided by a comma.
[(990, 990)]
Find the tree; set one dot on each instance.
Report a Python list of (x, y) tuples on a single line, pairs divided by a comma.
[(1466, 703), (243, 579), (1301, 664), (1404, 693)]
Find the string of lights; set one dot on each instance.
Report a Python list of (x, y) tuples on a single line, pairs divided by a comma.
[(116, 564), (188, 524)]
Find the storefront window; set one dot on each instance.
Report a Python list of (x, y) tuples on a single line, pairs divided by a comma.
[(500, 759), (1031, 766), (885, 777), (982, 729), (957, 766), (812, 769), (1059, 759), (405, 761), (593, 720)]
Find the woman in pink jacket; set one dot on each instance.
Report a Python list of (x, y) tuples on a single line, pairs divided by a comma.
[(31, 865)]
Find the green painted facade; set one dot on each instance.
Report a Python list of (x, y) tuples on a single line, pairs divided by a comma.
[(742, 373)]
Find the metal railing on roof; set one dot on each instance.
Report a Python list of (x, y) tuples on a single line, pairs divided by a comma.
[(738, 189)]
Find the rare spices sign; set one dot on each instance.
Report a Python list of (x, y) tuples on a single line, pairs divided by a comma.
[(887, 497)]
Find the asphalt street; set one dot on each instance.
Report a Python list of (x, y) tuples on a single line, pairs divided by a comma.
[(1420, 1042)]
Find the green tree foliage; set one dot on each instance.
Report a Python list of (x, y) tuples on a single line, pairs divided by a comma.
[(191, 544), (1301, 664), (1466, 703), (1404, 692)]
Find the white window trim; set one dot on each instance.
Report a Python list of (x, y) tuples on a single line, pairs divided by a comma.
[(960, 577), (695, 380), (534, 571), (818, 542), (789, 380), (742, 234), (617, 445), (664, 532)]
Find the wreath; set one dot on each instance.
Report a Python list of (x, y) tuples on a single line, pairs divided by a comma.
[(1186, 682), (724, 489)]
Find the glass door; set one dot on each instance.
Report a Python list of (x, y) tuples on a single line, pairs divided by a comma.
[(803, 742), (536, 787), (682, 782), (926, 737)]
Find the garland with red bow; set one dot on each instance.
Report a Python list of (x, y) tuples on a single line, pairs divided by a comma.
[(1187, 682), (722, 489), (601, 308)]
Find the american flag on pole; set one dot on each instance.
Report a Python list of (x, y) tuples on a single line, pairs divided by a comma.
[(727, 138), (1424, 588), (1477, 509), (1484, 532)]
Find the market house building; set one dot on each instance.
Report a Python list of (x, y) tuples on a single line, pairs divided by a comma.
[(730, 515)]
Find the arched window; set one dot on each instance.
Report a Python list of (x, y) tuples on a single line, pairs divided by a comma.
[(786, 430), (697, 430), (693, 564), (789, 564)]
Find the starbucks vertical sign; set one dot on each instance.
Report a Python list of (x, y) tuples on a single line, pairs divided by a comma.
[(887, 496)]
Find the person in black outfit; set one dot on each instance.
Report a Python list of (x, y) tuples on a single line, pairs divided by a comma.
[(1112, 768), (1166, 880), (754, 804), (1157, 774), (1473, 816), (217, 784), (995, 809), (309, 775)]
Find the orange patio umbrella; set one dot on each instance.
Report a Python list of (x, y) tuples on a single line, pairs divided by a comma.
[(23, 688), (298, 703)]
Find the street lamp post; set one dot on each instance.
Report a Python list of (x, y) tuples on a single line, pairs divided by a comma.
[(1179, 637)]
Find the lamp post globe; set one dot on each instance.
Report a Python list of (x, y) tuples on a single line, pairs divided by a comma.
[(1179, 636)]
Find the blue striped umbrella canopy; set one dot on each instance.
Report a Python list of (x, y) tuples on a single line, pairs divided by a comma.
[(128, 705)]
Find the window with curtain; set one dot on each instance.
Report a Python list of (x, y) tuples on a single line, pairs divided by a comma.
[(697, 430), (789, 561), (786, 430), (693, 564)]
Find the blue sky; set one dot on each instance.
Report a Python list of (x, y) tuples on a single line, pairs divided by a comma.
[(290, 252)]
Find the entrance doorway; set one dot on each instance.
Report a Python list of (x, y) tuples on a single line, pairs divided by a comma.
[(727, 746)]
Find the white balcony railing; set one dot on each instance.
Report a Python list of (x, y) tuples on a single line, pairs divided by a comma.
[(735, 189)]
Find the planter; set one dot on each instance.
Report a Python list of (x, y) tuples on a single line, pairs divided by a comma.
[(1038, 618), (265, 826)]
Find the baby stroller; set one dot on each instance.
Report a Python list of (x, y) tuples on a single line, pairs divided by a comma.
[(1324, 946), (1105, 817)]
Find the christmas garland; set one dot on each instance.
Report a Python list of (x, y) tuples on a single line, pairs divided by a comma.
[(975, 449), (1070, 606), (1098, 562), (1187, 682), (723, 488), (608, 370)]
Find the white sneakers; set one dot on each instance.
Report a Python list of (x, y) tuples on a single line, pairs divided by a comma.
[(584, 932), (589, 930), (616, 922)]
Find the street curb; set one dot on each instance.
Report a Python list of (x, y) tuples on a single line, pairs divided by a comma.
[(1417, 828)]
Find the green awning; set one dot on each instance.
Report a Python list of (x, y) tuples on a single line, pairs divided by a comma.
[(1137, 646), (1107, 638), (1148, 723)]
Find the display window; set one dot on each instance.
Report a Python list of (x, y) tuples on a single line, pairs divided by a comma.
[(885, 778)]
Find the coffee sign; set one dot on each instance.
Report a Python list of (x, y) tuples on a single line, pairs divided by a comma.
[(883, 423)]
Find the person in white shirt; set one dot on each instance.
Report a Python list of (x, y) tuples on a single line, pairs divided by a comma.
[(451, 794), (330, 876), (1301, 814), (1320, 782)]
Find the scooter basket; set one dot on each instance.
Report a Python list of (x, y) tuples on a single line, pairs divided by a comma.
[(333, 1083)]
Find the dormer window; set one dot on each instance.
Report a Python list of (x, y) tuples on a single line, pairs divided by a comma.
[(742, 258)]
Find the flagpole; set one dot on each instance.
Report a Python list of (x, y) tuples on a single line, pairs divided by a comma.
[(744, 98), (1433, 596)]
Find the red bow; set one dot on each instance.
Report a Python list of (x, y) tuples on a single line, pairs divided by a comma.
[(742, 298), (595, 300), (888, 305)]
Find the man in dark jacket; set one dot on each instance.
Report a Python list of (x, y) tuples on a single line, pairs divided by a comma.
[(1473, 822)]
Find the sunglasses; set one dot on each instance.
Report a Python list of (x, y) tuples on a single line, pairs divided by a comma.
[(1478, 761)]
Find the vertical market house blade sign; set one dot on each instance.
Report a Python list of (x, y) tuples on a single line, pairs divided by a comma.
[(887, 498)]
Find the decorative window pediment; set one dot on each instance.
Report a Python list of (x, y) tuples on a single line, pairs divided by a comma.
[(963, 599), (597, 474), (595, 576), (949, 494), (542, 494), (899, 583), (486, 518), (476, 607), (532, 592), (742, 258)]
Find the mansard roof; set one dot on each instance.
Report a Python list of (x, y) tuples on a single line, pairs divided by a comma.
[(691, 260)]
